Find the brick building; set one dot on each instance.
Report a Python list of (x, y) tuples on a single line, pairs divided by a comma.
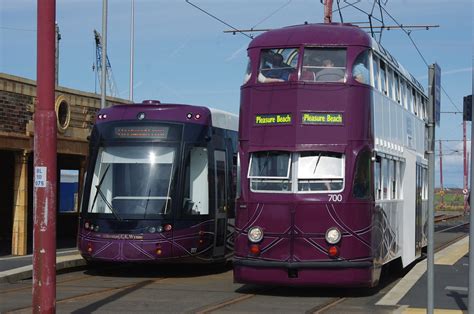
[(76, 112)]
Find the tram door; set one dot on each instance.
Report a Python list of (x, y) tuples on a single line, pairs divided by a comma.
[(220, 188)]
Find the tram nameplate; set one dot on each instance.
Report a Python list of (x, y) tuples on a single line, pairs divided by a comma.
[(273, 119), (332, 118)]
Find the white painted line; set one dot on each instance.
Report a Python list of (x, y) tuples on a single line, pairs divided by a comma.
[(404, 285)]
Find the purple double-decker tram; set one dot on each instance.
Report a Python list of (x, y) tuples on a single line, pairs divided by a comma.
[(160, 185), (332, 167)]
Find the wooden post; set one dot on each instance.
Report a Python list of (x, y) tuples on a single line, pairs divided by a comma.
[(20, 205)]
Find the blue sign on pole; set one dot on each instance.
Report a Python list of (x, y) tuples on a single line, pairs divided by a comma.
[(436, 90)]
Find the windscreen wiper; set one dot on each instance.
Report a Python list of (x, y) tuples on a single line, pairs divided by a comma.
[(99, 185), (317, 163), (99, 192), (107, 203)]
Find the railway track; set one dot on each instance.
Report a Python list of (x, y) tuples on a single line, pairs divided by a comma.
[(319, 301)]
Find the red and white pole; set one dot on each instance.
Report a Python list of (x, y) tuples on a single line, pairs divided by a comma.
[(44, 195)]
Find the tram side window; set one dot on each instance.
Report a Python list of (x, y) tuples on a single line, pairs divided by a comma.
[(375, 69), (397, 87), (390, 83), (410, 99), (415, 101), (361, 186), (393, 179), (320, 171), (270, 171), (378, 178), (360, 71), (278, 65), (196, 185), (385, 179), (404, 94), (221, 180), (383, 78), (324, 65)]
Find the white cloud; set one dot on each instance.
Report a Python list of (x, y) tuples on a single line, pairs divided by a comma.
[(236, 53)]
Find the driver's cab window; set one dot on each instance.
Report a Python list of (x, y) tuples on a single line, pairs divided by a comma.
[(278, 65), (324, 65)]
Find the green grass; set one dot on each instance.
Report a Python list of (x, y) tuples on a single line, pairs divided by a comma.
[(452, 201)]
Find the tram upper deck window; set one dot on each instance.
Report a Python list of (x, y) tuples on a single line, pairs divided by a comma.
[(360, 69), (278, 65), (323, 65), (270, 171), (248, 72), (320, 171)]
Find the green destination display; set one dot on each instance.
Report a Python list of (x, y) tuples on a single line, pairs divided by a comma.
[(334, 118), (272, 119)]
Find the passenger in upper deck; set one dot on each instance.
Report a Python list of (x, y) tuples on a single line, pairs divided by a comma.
[(329, 73), (360, 70), (273, 68)]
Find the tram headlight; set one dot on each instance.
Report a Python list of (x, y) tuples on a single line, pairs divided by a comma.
[(255, 234), (333, 235), (152, 230)]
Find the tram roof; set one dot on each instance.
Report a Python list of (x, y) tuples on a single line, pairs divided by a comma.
[(316, 34), (224, 120), (219, 118)]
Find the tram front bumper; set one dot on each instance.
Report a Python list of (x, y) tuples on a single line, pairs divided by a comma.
[(307, 273)]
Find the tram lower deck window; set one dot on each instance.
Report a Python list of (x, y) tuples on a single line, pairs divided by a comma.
[(315, 172), (270, 171), (320, 171)]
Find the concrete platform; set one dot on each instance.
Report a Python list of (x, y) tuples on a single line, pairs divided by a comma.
[(451, 273), (15, 268)]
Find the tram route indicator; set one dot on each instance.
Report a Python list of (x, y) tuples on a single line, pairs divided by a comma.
[(148, 132), (331, 118), (273, 119)]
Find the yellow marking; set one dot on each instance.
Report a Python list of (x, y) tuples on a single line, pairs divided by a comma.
[(438, 311), (453, 253)]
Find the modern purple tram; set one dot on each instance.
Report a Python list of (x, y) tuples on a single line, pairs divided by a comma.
[(331, 160), (160, 185)]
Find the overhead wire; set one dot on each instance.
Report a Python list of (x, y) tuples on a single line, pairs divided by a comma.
[(272, 14), (408, 33), (218, 19)]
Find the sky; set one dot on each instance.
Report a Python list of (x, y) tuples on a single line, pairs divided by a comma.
[(183, 55)]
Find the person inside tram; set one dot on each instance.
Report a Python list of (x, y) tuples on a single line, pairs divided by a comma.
[(329, 73), (307, 73), (274, 69), (360, 70), (361, 73)]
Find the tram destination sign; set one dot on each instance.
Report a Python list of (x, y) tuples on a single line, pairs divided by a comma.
[(273, 119), (147, 132), (326, 118)]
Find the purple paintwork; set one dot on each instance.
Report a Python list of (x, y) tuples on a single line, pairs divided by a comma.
[(159, 247), (295, 224)]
